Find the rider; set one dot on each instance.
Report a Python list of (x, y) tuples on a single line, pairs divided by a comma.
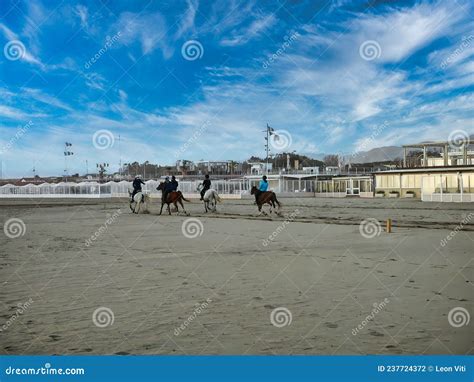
[(262, 187), (206, 185), (165, 186), (170, 186), (137, 185)]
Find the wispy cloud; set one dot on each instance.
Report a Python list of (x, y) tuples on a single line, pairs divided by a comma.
[(252, 31)]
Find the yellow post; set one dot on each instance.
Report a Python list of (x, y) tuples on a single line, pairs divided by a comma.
[(389, 226)]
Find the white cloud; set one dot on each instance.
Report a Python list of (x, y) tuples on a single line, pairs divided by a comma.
[(252, 31), (401, 33), (186, 24), (82, 12), (150, 30)]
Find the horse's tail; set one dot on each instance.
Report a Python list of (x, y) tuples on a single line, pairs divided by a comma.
[(276, 201), (218, 198), (182, 197)]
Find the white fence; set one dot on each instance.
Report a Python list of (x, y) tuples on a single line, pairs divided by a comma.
[(227, 188), (447, 188), (113, 189)]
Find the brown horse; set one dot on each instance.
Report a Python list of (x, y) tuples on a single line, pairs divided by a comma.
[(265, 197), (174, 197)]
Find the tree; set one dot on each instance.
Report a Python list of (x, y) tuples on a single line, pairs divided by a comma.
[(331, 160)]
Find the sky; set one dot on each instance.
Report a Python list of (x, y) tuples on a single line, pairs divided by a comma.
[(192, 79)]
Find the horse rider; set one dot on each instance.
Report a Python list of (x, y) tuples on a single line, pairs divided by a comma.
[(137, 185), (206, 185), (262, 187), (170, 186)]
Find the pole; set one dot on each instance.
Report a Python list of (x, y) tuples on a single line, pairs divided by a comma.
[(266, 165), (120, 159)]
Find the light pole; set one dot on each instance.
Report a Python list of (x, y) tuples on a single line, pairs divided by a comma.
[(67, 152), (102, 169), (269, 132)]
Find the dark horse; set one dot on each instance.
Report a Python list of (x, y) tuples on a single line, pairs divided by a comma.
[(264, 197), (174, 197)]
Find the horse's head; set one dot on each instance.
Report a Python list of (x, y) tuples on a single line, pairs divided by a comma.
[(253, 190), (161, 186)]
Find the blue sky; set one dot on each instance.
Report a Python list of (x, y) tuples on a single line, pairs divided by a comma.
[(200, 79)]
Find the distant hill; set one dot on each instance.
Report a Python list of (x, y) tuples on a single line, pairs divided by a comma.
[(379, 154)]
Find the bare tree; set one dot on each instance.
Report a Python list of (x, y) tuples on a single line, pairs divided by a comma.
[(331, 160)]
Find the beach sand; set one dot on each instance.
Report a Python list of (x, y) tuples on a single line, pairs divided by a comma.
[(155, 291)]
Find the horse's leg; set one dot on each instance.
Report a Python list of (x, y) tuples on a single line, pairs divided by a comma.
[(161, 209), (138, 205), (176, 206), (169, 209), (180, 200)]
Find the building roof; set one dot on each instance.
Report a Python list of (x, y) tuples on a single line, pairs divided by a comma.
[(429, 144), (427, 170)]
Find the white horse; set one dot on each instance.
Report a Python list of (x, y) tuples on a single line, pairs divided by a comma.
[(138, 199), (210, 198)]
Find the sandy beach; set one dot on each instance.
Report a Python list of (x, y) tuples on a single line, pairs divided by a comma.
[(89, 277)]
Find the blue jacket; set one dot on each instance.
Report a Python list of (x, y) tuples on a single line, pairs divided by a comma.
[(172, 186), (263, 186)]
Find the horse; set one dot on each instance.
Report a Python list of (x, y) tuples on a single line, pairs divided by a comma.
[(174, 197), (211, 197), (138, 199), (266, 197)]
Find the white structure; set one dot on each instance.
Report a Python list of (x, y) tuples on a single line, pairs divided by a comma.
[(258, 168), (340, 187), (431, 183), (311, 170)]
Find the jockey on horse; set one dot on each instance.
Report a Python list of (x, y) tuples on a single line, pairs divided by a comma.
[(170, 194), (262, 187), (206, 185), (262, 196), (137, 186), (170, 186)]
